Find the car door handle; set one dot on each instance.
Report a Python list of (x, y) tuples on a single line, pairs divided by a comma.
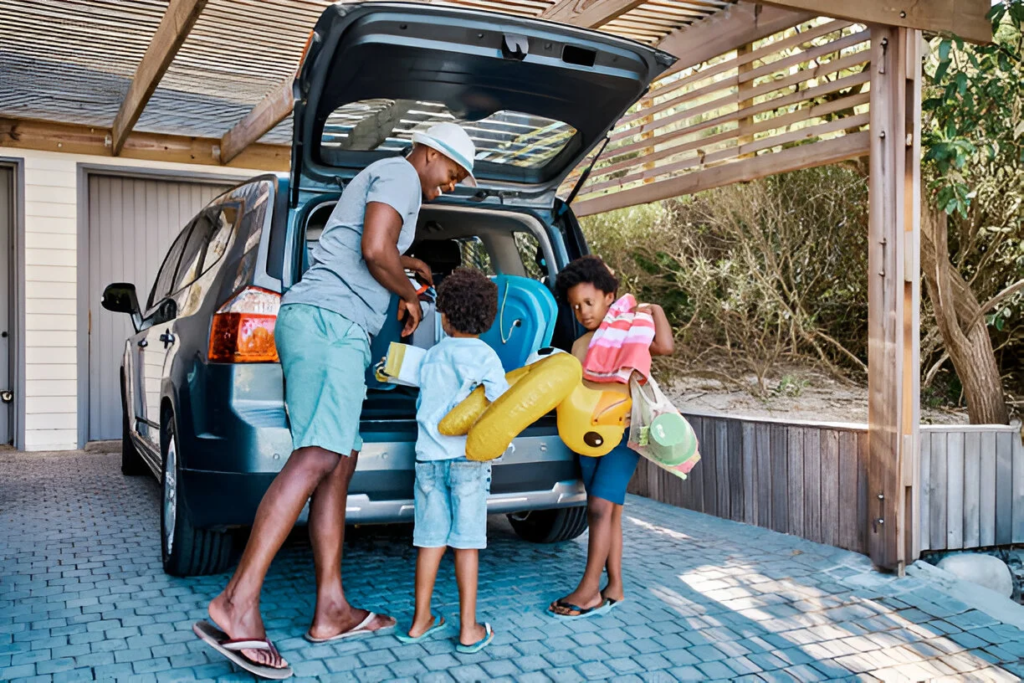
[(143, 343), (167, 338)]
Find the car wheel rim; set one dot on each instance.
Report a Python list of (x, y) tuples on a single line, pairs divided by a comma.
[(170, 496)]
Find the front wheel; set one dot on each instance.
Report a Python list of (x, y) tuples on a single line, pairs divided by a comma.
[(186, 551), (550, 526)]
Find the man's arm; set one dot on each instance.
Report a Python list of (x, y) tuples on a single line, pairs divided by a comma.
[(382, 226)]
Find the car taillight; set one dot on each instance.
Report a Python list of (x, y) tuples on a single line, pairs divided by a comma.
[(243, 328)]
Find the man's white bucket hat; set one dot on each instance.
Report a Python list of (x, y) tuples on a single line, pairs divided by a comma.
[(452, 141)]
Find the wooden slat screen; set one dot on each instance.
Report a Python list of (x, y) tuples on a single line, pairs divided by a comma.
[(803, 86), (806, 480), (972, 487)]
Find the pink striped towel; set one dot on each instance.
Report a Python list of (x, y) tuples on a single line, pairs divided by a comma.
[(621, 345)]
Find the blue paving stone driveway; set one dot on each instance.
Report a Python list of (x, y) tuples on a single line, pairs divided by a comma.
[(83, 597)]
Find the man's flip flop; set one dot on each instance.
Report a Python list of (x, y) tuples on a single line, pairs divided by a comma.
[(361, 629), (478, 645), (583, 611), (231, 649), (439, 625)]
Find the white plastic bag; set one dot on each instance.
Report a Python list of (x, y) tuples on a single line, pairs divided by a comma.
[(658, 431)]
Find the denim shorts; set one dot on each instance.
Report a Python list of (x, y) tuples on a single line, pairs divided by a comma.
[(451, 504), (608, 476)]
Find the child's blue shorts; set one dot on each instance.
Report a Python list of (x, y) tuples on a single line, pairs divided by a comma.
[(608, 476), (451, 504)]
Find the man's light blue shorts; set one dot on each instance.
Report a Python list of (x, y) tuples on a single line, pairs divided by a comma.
[(324, 357), (451, 504)]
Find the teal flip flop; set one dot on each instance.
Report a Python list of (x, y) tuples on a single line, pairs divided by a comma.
[(439, 625), (584, 612), (479, 645)]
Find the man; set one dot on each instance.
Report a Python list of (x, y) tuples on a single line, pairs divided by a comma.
[(323, 335)]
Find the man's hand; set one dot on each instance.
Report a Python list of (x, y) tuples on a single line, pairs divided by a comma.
[(420, 268), (411, 313)]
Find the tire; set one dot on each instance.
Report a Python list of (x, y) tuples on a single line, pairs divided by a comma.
[(132, 464), (550, 526), (186, 551)]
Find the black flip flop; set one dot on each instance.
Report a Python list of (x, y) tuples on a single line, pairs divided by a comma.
[(584, 612), (232, 650)]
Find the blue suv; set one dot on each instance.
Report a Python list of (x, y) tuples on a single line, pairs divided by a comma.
[(201, 385)]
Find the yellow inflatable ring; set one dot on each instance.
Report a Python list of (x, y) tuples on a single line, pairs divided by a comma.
[(537, 390), (590, 422)]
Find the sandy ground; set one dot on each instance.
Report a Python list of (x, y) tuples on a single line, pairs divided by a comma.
[(799, 394)]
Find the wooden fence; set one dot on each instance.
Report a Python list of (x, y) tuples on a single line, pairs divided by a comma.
[(805, 479), (810, 480), (972, 487)]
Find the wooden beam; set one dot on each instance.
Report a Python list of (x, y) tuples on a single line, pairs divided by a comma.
[(72, 139), (792, 159), (965, 18), (177, 22), (893, 294), (589, 13), (267, 113), (737, 25)]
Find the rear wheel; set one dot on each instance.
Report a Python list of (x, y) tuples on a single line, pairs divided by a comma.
[(550, 526), (186, 551), (132, 464)]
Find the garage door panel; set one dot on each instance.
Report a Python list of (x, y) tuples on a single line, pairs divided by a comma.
[(132, 223)]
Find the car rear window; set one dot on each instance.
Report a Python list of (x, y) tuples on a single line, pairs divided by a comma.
[(505, 137)]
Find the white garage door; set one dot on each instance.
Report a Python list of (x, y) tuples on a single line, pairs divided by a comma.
[(132, 222)]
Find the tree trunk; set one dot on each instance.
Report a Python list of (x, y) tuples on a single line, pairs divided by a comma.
[(956, 306)]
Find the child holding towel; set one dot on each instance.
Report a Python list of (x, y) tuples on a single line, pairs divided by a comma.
[(610, 353)]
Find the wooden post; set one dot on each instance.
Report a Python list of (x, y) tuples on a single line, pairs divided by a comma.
[(893, 296), (745, 102)]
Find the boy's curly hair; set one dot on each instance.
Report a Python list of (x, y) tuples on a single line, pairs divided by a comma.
[(469, 299), (586, 269)]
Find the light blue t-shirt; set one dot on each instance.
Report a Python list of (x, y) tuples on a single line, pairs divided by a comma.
[(338, 278), (450, 370)]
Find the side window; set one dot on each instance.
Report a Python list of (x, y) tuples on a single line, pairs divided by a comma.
[(192, 254), (207, 243), (164, 279), (223, 226), (474, 255), (532, 256)]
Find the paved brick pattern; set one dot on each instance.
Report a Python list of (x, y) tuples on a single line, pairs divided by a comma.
[(83, 597)]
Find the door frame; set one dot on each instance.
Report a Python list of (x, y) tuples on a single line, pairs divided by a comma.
[(83, 172), (17, 298)]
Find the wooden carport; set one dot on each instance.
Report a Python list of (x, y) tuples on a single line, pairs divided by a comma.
[(759, 89)]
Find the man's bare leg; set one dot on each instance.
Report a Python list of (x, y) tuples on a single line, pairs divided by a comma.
[(334, 615), (236, 611)]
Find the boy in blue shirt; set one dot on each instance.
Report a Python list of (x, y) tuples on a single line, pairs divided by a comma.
[(451, 491)]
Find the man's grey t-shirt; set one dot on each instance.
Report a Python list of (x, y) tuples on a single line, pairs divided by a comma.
[(338, 279)]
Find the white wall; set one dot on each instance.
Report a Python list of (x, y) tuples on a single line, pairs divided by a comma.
[(51, 287)]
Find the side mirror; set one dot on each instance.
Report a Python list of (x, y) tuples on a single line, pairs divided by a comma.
[(120, 297)]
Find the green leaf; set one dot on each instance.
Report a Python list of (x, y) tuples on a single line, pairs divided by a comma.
[(961, 82), (940, 71), (944, 47)]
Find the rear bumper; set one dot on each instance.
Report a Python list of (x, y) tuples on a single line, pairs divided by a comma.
[(210, 506), (233, 446)]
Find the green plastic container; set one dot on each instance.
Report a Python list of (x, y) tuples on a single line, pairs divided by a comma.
[(671, 439)]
